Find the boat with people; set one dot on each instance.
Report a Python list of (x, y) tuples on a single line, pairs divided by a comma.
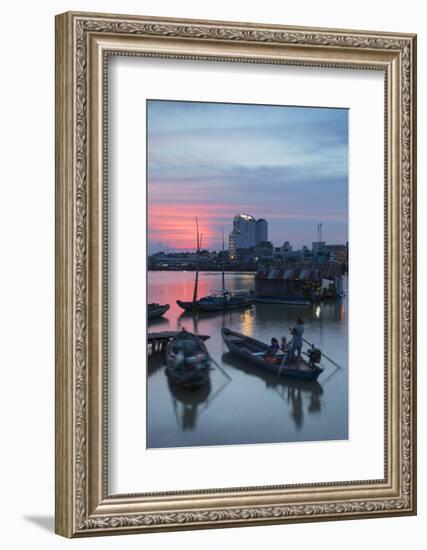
[(282, 363), (187, 361), (156, 310)]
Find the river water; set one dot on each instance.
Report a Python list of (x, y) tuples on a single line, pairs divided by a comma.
[(254, 406)]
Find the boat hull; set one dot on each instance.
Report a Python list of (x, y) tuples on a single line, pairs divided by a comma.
[(224, 306), (157, 312), (188, 306), (188, 380), (234, 341), (200, 305)]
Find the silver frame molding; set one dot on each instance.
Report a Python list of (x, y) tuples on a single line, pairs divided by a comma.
[(83, 43)]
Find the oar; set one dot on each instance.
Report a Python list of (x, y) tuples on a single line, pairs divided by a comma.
[(324, 355), (221, 369), (281, 365)]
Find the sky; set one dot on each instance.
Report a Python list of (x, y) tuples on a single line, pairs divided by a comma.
[(288, 165)]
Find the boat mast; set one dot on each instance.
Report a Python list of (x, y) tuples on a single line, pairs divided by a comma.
[(196, 279), (223, 260)]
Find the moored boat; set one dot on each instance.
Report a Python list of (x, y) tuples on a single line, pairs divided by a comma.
[(187, 361), (156, 310), (220, 300), (257, 353)]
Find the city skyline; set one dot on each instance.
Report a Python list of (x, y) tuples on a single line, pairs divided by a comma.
[(309, 245), (213, 160)]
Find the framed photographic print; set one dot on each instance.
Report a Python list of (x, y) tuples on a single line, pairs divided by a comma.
[(235, 274)]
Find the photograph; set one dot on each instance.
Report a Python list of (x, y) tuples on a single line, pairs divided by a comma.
[(247, 273)]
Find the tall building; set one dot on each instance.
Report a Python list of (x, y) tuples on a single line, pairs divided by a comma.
[(261, 231), (243, 234)]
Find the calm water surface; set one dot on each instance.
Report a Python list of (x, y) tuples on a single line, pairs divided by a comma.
[(254, 406)]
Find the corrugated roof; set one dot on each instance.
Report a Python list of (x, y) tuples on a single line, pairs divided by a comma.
[(304, 271)]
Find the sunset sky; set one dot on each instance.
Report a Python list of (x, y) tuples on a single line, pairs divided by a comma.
[(288, 165)]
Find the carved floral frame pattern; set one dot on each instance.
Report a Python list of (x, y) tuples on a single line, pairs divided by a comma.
[(74, 505)]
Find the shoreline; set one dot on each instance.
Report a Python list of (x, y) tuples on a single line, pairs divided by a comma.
[(204, 271)]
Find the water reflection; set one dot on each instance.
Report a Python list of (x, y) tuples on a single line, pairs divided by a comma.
[(289, 390), (255, 406), (186, 404), (157, 322)]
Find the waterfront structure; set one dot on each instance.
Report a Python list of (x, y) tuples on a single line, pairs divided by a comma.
[(264, 250), (310, 280), (261, 231), (337, 252)]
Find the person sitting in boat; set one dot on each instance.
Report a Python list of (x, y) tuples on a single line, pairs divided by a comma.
[(274, 346), (284, 344), (270, 354), (297, 339), (284, 350)]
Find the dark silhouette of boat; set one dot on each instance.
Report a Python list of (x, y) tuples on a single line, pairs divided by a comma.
[(271, 380), (187, 361), (258, 353), (219, 300), (156, 310)]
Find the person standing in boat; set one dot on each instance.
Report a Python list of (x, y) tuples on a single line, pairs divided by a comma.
[(297, 335)]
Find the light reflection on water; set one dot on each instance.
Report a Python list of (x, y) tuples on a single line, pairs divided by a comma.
[(255, 406)]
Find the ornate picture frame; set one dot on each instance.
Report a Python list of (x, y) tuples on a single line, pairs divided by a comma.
[(83, 43)]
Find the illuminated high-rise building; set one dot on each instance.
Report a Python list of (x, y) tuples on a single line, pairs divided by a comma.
[(247, 232)]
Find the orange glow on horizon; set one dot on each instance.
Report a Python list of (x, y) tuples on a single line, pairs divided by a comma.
[(176, 224)]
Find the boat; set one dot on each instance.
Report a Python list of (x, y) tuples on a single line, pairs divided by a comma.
[(270, 379), (223, 300), (288, 301), (156, 310), (218, 300), (256, 352), (187, 361)]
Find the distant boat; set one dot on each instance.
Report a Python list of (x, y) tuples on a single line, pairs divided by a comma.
[(156, 310), (288, 300), (187, 361), (256, 352), (218, 300)]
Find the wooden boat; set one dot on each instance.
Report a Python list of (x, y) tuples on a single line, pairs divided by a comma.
[(256, 352), (218, 300), (221, 300), (309, 387), (187, 361), (288, 301), (156, 310)]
